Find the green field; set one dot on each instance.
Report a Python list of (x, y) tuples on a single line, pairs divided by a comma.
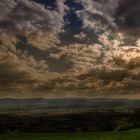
[(127, 135)]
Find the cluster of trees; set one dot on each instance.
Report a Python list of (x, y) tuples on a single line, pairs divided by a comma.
[(78, 122)]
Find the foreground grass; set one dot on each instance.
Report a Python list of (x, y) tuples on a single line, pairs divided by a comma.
[(128, 135)]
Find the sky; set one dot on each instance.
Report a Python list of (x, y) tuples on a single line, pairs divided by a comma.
[(69, 48)]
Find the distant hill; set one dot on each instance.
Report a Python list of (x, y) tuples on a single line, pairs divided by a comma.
[(70, 102)]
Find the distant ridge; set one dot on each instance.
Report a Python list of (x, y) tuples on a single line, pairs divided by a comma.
[(70, 102)]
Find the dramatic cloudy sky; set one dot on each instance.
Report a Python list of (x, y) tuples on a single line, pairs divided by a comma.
[(69, 48)]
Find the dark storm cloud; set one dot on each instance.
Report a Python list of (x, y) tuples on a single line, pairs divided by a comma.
[(97, 15), (127, 16), (122, 15)]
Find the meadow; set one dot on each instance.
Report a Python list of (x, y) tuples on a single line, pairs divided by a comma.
[(126, 135)]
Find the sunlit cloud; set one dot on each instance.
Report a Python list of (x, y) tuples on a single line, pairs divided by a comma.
[(31, 43)]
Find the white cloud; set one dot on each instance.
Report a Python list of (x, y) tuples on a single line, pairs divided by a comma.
[(97, 15), (24, 17), (80, 36)]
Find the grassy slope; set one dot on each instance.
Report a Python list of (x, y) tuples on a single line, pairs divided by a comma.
[(128, 135)]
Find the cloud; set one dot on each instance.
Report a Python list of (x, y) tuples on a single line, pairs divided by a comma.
[(127, 16), (24, 17), (82, 56), (43, 41), (27, 16), (97, 15), (19, 70), (106, 65), (80, 36), (121, 15)]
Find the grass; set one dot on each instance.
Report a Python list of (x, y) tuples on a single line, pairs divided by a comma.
[(128, 135)]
